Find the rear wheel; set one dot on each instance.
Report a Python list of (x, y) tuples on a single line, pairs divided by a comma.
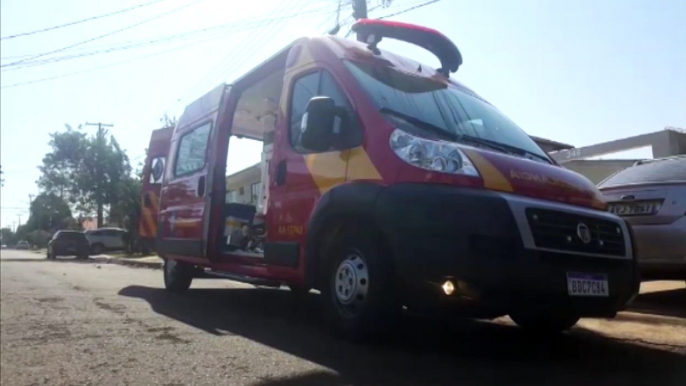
[(358, 291), (97, 249), (177, 275), (547, 322)]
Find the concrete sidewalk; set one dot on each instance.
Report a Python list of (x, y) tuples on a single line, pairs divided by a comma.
[(154, 262)]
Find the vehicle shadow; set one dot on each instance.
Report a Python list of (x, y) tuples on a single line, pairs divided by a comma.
[(424, 352), (665, 303)]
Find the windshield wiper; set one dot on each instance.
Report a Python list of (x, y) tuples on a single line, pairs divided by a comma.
[(501, 146), (419, 123)]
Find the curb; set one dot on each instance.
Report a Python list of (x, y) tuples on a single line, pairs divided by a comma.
[(128, 262)]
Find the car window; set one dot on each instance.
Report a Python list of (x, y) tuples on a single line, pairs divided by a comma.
[(322, 83), (71, 236), (665, 170), (192, 150), (348, 128), (304, 89)]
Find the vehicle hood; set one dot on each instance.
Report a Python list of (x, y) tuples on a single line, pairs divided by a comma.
[(535, 179)]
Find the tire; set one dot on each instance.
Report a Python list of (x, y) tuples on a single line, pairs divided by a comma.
[(97, 249), (177, 276), (549, 322), (358, 289), (82, 257)]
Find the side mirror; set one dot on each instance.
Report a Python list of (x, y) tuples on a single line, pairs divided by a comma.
[(318, 123)]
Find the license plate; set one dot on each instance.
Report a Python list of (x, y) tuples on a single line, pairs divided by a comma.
[(587, 284), (634, 208)]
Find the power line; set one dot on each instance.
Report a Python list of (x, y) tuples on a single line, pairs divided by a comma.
[(409, 9), (243, 25), (105, 35), (107, 65), (114, 64), (80, 21), (242, 51)]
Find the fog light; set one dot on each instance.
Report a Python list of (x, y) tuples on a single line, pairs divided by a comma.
[(448, 287)]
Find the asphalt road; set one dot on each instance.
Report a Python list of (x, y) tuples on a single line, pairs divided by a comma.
[(81, 323)]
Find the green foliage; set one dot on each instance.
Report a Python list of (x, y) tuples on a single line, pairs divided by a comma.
[(168, 121), (49, 212), (7, 236), (85, 170)]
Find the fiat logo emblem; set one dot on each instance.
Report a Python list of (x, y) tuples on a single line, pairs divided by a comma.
[(584, 233)]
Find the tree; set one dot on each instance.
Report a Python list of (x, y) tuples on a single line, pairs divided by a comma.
[(85, 170), (7, 236), (49, 212), (168, 121), (62, 165)]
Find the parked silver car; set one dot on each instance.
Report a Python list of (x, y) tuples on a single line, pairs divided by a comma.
[(106, 239), (651, 196)]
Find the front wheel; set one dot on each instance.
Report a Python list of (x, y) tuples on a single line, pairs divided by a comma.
[(548, 322), (177, 275), (358, 292)]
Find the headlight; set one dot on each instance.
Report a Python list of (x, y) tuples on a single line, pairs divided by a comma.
[(437, 156)]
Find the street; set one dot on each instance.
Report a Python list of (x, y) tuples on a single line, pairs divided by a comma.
[(67, 322)]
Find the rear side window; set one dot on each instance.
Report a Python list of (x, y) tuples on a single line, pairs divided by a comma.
[(71, 236), (667, 170), (190, 156)]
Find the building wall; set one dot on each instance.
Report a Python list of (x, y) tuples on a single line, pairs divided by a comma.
[(598, 170), (244, 187)]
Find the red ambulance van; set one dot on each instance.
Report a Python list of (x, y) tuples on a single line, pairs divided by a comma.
[(153, 171), (388, 186)]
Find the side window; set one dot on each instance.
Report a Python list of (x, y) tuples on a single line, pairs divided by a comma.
[(192, 148), (347, 128), (304, 89)]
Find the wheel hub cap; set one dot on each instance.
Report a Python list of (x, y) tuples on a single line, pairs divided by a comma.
[(352, 280)]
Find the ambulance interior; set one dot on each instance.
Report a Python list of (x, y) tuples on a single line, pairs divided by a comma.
[(254, 119)]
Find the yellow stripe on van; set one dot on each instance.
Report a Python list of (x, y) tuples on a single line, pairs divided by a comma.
[(493, 178), (360, 166), (327, 169)]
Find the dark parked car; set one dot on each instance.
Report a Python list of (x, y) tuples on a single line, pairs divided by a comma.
[(68, 243), (651, 196)]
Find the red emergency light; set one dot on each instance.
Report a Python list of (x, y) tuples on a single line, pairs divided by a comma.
[(372, 31)]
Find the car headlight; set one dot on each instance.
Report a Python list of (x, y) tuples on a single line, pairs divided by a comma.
[(436, 156)]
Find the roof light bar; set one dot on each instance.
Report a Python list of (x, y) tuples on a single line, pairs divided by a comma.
[(372, 31)]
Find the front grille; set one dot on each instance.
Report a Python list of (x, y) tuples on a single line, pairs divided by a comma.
[(564, 231)]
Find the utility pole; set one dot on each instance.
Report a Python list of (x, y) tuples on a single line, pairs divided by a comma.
[(99, 174)]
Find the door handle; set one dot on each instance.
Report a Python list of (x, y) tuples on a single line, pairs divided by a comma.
[(201, 186), (280, 173)]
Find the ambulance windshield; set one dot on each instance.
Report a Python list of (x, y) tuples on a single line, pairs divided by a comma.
[(432, 104)]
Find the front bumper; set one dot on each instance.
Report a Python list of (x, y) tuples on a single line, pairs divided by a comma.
[(482, 241), (68, 250)]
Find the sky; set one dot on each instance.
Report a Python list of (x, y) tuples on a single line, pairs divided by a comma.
[(578, 72)]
